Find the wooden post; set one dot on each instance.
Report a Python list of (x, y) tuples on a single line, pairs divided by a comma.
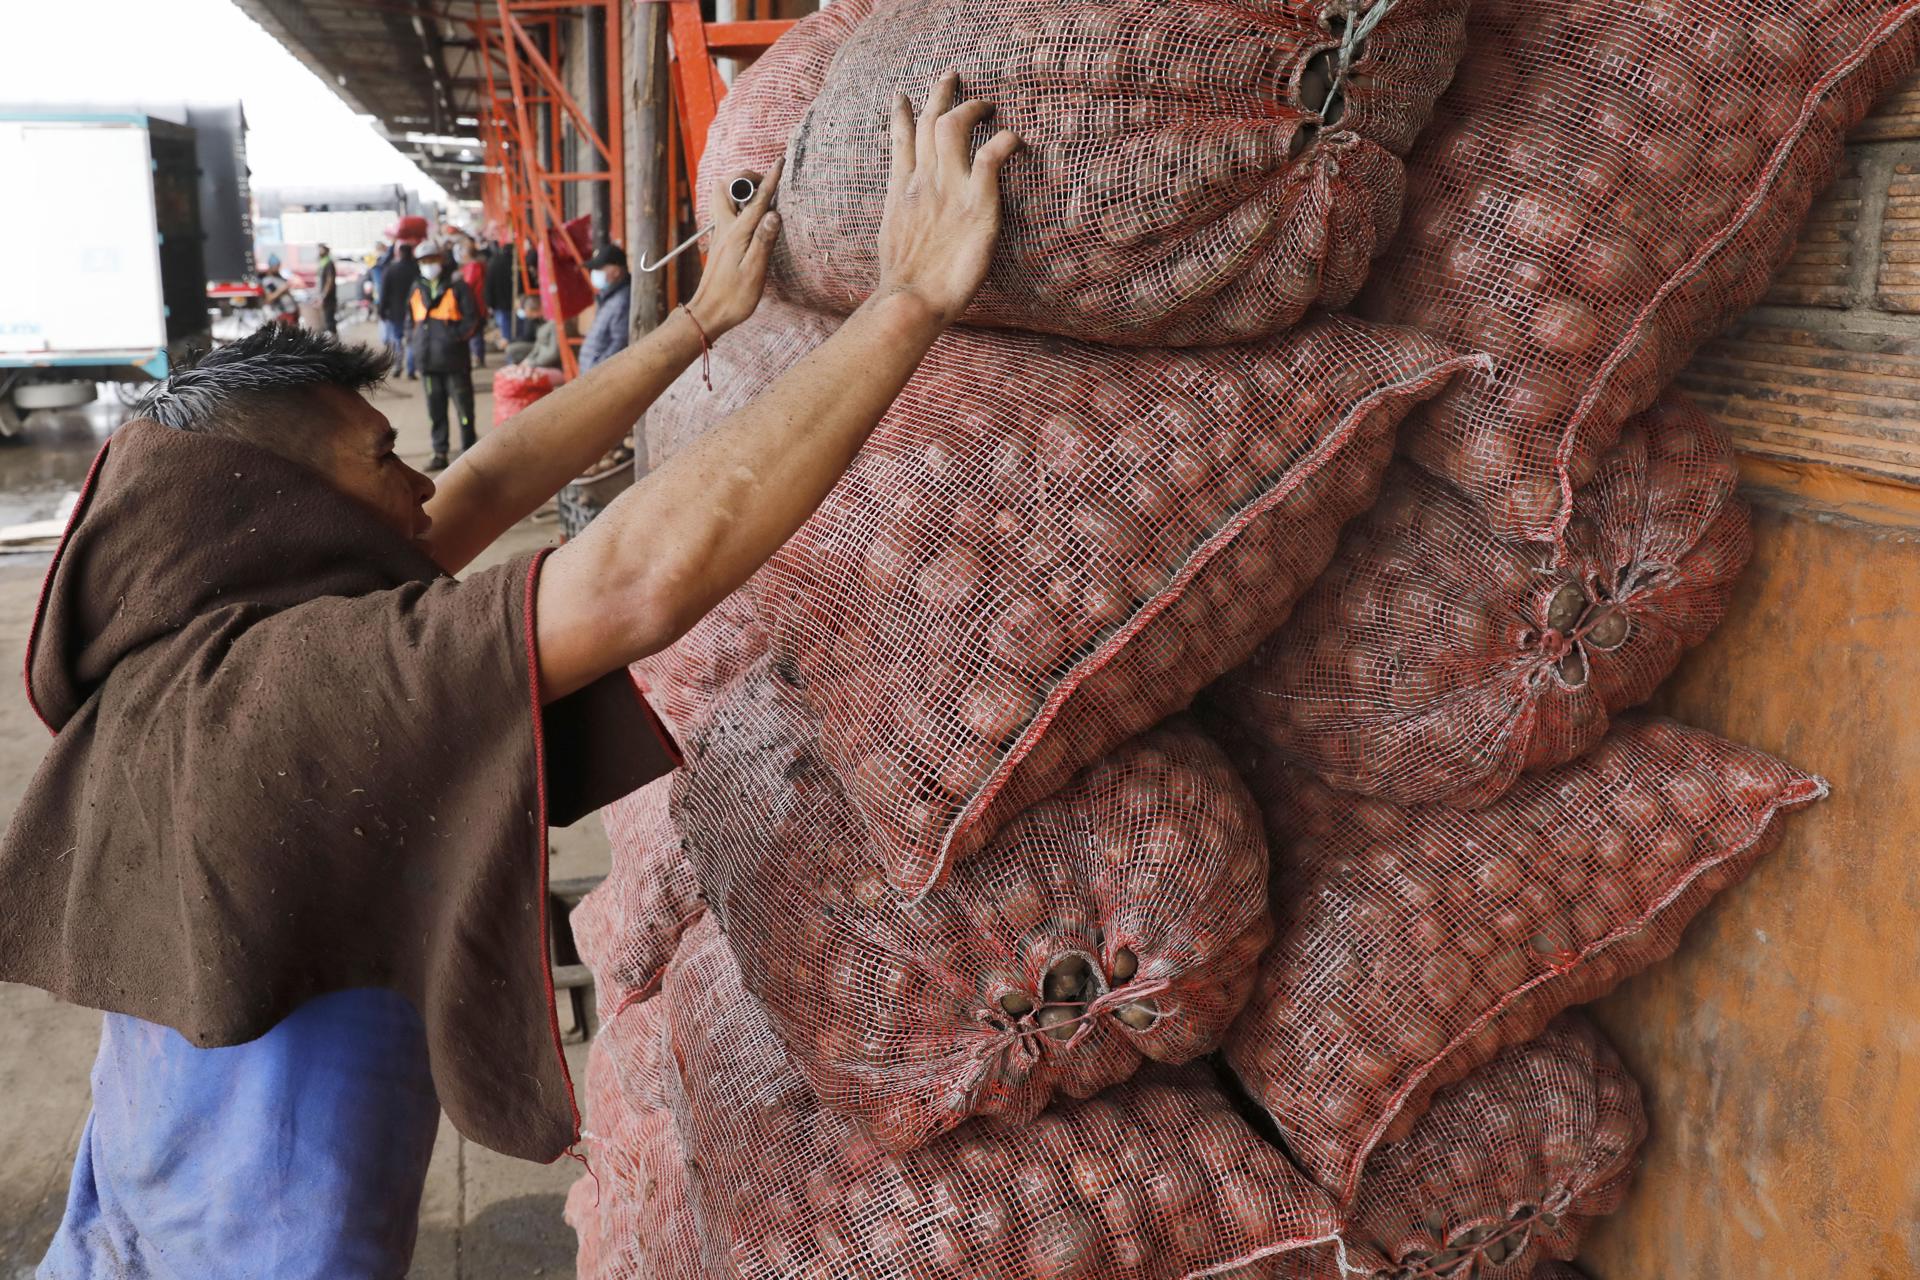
[(647, 100)]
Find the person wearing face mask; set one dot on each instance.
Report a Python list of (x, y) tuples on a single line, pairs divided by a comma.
[(445, 316), (607, 268)]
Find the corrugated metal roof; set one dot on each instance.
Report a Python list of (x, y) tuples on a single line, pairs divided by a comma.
[(412, 66)]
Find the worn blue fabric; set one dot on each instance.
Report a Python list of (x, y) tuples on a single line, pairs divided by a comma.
[(296, 1156), (608, 336)]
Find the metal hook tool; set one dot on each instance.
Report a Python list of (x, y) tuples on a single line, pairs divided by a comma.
[(740, 191)]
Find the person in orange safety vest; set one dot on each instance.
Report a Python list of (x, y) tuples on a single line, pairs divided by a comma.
[(446, 316)]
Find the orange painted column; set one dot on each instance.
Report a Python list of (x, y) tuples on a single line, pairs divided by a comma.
[(1780, 1049)]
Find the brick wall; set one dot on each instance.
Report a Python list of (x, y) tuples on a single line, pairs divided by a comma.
[(1827, 369)]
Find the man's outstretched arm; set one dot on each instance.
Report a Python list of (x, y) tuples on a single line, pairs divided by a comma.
[(674, 545), (504, 479)]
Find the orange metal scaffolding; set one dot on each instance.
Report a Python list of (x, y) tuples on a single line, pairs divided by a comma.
[(530, 121), (528, 117), (698, 88)]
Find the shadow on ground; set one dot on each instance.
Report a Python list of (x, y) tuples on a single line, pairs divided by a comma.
[(523, 1236)]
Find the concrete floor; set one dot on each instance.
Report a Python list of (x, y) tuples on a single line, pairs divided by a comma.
[(485, 1217)]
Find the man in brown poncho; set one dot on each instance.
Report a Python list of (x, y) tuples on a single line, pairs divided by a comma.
[(291, 832)]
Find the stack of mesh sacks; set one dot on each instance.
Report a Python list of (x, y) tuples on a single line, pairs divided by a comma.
[(1155, 819)]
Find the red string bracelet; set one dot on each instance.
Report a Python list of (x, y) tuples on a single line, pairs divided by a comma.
[(706, 348)]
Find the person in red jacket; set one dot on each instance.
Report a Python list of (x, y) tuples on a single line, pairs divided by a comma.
[(472, 265)]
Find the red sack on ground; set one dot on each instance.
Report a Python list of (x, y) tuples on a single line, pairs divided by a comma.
[(1415, 943), (1556, 1271), (628, 927), (1047, 547), (1120, 920), (1435, 662), (1157, 1179), (1606, 186), (1193, 174), (518, 385), (632, 1211), (1507, 1168)]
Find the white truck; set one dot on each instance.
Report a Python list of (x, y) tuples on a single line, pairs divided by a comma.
[(108, 279)]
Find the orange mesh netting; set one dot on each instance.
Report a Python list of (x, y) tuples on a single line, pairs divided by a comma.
[(1047, 547), (628, 927), (1155, 1179), (764, 106), (1193, 174), (1507, 1167), (632, 1212), (1122, 918), (1604, 187), (518, 385), (1434, 662), (1415, 943), (682, 680)]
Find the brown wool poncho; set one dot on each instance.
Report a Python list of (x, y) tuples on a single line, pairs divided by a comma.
[(292, 757)]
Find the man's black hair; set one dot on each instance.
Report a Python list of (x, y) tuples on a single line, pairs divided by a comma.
[(259, 390), (226, 390)]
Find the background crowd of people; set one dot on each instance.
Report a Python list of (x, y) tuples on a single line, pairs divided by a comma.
[(437, 299)]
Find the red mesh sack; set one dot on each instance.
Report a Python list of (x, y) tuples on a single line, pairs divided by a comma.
[(1157, 1179), (1507, 1168), (628, 927), (684, 679), (760, 112), (1605, 186), (1047, 547), (632, 1212), (1193, 174), (518, 385), (1556, 1271), (1435, 662), (1120, 919), (1415, 943)]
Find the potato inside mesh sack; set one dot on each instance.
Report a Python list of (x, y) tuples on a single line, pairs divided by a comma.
[(632, 1211), (1505, 1173), (764, 105), (1156, 1179), (1121, 919), (1606, 186), (683, 680), (1508, 1168), (1435, 662), (1556, 1271), (1194, 174), (1415, 943), (1047, 547), (628, 926)]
